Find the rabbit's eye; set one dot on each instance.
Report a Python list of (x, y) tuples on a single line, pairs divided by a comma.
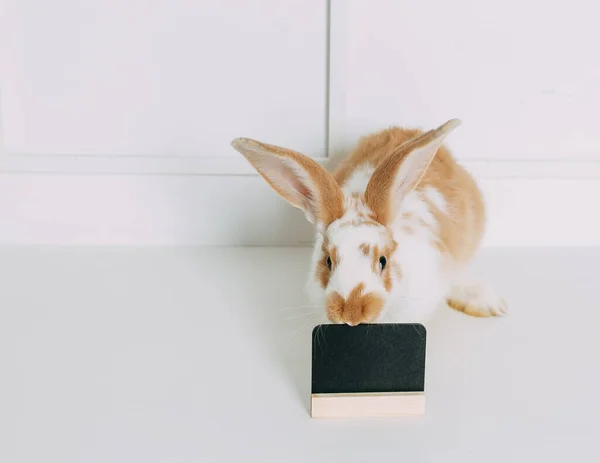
[(328, 262), (382, 262)]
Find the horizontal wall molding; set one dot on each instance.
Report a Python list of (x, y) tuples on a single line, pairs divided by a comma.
[(238, 166), (130, 165), (539, 169), (169, 210)]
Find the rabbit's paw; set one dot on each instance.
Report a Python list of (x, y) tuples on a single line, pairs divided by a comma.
[(477, 300)]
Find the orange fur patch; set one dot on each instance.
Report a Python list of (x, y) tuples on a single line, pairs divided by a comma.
[(375, 255), (387, 280), (366, 249), (375, 252), (380, 190), (372, 149), (335, 307), (335, 258), (461, 228), (359, 308), (466, 308), (322, 272), (386, 252)]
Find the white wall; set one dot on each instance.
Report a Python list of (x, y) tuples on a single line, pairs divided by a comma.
[(161, 78), (116, 117), (523, 74)]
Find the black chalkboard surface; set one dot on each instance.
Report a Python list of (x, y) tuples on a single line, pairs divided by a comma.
[(368, 360)]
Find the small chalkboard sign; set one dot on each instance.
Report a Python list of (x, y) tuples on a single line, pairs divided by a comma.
[(369, 370)]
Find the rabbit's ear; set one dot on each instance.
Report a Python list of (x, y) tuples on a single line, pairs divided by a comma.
[(401, 172), (297, 178)]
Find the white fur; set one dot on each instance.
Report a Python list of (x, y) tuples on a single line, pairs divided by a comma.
[(354, 267), (422, 284), (357, 182), (425, 280), (414, 205), (481, 298), (436, 198)]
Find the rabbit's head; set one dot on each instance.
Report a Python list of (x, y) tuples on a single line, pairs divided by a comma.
[(353, 263)]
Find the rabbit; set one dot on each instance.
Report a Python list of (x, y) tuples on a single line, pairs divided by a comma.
[(396, 226)]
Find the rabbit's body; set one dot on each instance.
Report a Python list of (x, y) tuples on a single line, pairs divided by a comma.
[(397, 224), (438, 227)]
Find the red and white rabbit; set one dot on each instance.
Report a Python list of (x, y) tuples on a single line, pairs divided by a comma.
[(397, 224)]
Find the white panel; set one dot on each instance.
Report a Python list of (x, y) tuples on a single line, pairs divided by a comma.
[(524, 75), (162, 77)]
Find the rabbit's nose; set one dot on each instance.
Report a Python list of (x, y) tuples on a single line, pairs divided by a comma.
[(358, 308)]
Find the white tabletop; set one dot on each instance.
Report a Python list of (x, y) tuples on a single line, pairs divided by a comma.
[(194, 355)]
